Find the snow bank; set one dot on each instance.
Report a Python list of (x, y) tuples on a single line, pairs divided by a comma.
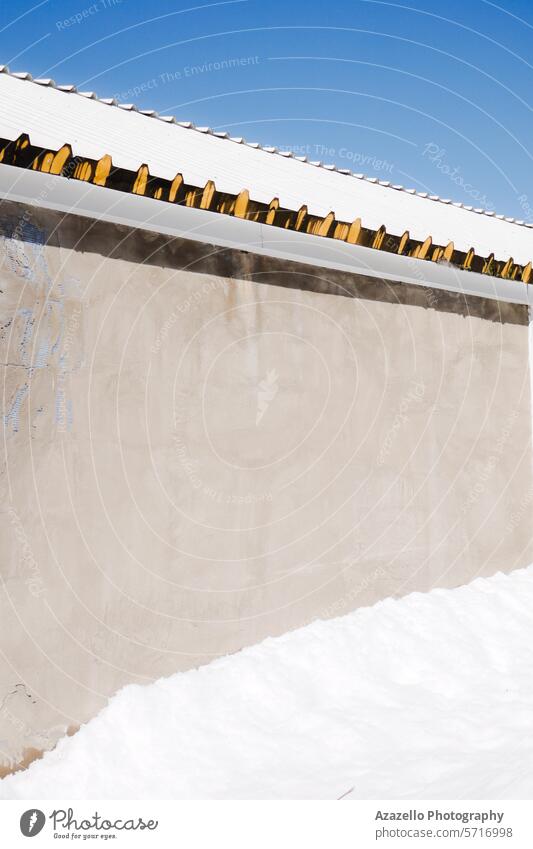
[(430, 696)]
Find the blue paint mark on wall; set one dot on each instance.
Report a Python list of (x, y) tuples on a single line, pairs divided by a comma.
[(26, 335), (24, 245), (12, 417), (42, 335)]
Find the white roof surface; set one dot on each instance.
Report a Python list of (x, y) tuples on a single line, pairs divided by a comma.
[(53, 116)]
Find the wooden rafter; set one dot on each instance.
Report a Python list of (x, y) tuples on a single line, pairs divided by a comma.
[(21, 153)]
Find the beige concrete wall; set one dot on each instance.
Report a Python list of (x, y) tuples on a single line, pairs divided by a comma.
[(203, 448)]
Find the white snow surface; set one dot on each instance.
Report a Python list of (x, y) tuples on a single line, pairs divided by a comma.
[(426, 697), (93, 127)]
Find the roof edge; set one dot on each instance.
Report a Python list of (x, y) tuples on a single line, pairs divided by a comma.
[(43, 190), (151, 113)]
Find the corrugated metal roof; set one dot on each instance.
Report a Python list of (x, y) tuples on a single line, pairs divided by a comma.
[(53, 115)]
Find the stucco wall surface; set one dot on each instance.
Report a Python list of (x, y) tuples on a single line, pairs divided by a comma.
[(201, 449)]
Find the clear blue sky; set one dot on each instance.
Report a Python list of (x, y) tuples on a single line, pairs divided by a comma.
[(436, 96)]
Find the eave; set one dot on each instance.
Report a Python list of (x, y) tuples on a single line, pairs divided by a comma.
[(43, 190)]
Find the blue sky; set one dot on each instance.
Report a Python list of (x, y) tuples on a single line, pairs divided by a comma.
[(429, 95)]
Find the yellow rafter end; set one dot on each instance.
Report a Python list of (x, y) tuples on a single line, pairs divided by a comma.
[(176, 185), (469, 259), (448, 252), (241, 204), (403, 242), (22, 141), (47, 162), (325, 225), (141, 180), (207, 195), (103, 169), (60, 159), (354, 232), (424, 249), (487, 265), (83, 171), (377, 241), (301, 218), (272, 209), (341, 230), (507, 268), (43, 161), (225, 205)]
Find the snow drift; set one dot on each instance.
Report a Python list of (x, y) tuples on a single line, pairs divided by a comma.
[(430, 696)]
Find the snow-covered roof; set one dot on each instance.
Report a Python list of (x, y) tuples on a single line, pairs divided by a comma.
[(53, 115)]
